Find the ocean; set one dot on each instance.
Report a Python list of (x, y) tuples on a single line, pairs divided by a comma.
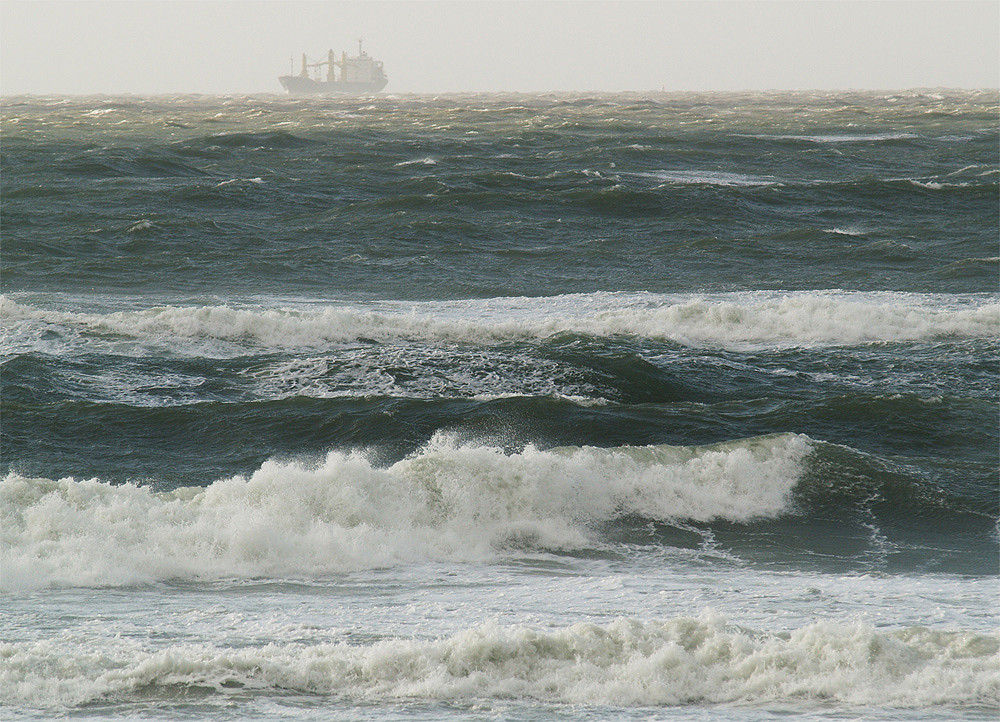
[(660, 406)]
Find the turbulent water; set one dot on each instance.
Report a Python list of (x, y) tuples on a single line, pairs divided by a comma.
[(500, 407)]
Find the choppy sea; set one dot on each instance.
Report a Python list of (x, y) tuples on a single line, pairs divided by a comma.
[(522, 407)]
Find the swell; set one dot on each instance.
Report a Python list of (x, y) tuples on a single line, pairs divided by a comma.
[(50, 432), (254, 140), (932, 404)]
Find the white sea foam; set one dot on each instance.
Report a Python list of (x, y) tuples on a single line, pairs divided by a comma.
[(756, 319), (449, 502), (626, 662), (435, 371)]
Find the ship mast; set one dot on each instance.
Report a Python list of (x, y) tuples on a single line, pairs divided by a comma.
[(330, 62)]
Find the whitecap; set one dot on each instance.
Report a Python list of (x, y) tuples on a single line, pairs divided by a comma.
[(142, 225), (708, 177), (844, 231), (845, 137), (231, 181), (418, 161)]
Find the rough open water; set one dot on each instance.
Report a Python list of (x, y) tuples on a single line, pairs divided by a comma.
[(572, 407)]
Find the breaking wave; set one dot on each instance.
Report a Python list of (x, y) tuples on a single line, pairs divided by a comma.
[(448, 501), (626, 662), (756, 319)]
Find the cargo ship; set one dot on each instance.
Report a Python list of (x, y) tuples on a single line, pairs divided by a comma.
[(359, 75)]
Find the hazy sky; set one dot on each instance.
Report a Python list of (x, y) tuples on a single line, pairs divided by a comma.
[(156, 46)]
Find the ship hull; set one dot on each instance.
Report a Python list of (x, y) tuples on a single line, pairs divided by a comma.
[(297, 85)]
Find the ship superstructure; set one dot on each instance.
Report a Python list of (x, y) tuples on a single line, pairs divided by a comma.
[(359, 75)]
